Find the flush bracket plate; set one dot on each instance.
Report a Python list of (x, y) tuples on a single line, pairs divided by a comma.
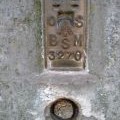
[(65, 34)]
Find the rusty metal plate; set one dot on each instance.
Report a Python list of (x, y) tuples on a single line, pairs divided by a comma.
[(65, 34)]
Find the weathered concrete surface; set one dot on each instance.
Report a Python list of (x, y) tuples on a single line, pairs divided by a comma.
[(26, 89)]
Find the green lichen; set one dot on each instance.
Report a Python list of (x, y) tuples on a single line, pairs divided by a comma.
[(38, 33)]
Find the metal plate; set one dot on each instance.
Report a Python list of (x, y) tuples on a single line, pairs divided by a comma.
[(65, 34)]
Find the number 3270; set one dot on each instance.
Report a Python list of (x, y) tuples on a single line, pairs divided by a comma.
[(77, 55)]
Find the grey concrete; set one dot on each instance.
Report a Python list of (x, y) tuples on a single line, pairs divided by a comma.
[(27, 90)]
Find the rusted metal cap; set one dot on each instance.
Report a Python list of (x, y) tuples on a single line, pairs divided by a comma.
[(64, 109)]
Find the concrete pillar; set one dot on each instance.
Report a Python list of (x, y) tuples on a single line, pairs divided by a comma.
[(27, 90)]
